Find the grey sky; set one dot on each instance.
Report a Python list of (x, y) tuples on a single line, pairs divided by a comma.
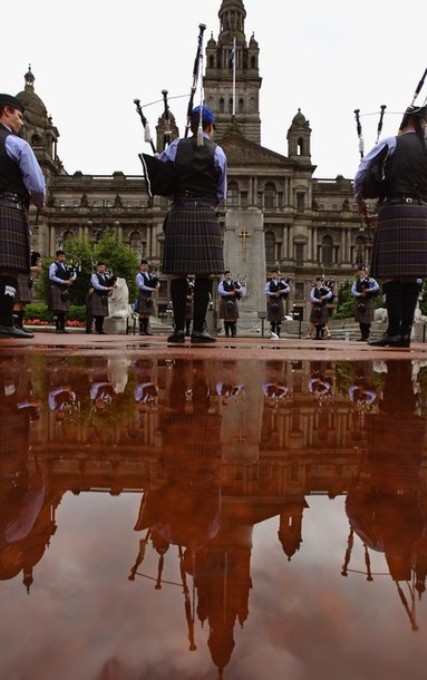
[(92, 59)]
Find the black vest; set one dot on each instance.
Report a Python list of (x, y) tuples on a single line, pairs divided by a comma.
[(10, 173), (195, 169), (406, 169)]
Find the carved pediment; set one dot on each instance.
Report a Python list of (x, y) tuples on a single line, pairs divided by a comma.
[(241, 151)]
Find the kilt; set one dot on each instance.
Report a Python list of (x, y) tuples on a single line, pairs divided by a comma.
[(364, 310), (144, 306), (400, 242), (98, 304), (59, 300), (193, 242), (228, 309), (23, 292), (275, 309), (14, 238), (319, 314)]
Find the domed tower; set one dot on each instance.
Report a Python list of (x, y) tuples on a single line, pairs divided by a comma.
[(299, 135), (231, 81), (39, 130)]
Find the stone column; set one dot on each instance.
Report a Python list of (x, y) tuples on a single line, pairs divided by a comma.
[(244, 255)]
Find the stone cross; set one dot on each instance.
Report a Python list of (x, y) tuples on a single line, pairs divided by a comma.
[(244, 234)]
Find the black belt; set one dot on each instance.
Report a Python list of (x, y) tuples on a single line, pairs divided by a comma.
[(404, 200), (12, 200)]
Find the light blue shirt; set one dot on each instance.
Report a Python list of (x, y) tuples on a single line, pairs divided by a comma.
[(21, 152)]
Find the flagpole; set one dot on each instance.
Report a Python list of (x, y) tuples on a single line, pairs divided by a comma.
[(234, 76)]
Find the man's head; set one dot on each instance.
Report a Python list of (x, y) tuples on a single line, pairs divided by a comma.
[(207, 116), (415, 117), (60, 255), (11, 112)]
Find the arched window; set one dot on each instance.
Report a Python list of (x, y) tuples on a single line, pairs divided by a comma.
[(135, 242), (211, 61), (241, 106), (269, 195), (233, 193), (221, 105), (326, 255), (270, 247)]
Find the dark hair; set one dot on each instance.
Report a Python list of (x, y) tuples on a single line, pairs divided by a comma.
[(60, 252)]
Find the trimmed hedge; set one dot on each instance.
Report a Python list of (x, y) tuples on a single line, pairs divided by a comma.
[(41, 311)]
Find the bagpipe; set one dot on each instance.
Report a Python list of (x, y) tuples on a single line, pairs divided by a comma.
[(159, 176), (363, 286), (374, 179)]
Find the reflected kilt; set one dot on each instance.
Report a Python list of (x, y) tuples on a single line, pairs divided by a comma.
[(228, 309), (275, 309), (59, 299), (98, 304), (14, 238), (23, 292), (400, 242), (319, 314), (193, 243)]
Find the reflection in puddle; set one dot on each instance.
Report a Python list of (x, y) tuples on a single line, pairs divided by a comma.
[(258, 514)]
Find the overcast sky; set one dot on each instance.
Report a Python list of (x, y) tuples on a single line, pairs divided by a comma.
[(91, 59)]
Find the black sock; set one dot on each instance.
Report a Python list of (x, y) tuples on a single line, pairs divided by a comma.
[(179, 297), (410, 293), (201, 300), (394, 303)]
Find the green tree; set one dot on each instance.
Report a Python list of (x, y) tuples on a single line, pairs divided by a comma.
[(119, 258)]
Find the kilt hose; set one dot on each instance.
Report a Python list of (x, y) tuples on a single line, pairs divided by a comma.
[(400, 242), (193, 242)]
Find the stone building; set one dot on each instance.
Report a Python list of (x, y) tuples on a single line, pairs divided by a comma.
[(303, 225)]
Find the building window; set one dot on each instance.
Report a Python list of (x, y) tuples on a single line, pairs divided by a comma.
[(233, 193), (300, 202), (269, 195), (298, 291), (299, 254), (244, 198), (326, 255), (270, 247)]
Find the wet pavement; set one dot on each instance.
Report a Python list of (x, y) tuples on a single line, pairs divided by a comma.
[(244, 510)]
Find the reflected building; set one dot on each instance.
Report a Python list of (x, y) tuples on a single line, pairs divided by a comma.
[(215, 448)]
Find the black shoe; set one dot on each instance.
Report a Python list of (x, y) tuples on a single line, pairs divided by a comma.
[(201, 336), (386, 340), (362, 340), (101, 332), (405, 341), (177, 337), (13, 332)]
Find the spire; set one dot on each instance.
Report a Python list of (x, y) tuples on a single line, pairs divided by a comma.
[(29, 80)]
